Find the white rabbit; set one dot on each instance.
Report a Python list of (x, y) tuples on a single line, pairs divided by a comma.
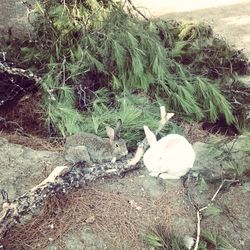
[(169, 158)]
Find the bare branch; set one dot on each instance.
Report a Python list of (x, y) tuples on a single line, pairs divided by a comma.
[(199, 210), (138, 11), (60, 181)]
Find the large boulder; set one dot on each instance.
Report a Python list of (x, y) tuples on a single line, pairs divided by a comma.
[(23, 168), (13, 17)]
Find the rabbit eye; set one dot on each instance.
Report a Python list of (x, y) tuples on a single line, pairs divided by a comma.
[(116, 145)]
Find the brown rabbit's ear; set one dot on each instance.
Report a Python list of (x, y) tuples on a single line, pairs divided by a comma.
[(118, 128), (111, 133), (150, 136), (114, 134)]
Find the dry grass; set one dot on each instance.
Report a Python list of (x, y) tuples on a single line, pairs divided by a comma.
[(118, 219), (26, 116), (194, 132), (25, 124), (34, 142)]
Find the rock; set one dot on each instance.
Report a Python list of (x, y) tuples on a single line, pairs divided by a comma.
[(234, 218), (151, 185), (13, 16), (222, 158), (206, 162), (246, 186), (22, 168), (84, 239)]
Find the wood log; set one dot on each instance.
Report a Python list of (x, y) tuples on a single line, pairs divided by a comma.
[(15, 83), (60, 181)]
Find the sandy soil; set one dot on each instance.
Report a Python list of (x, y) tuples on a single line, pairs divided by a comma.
[(161, 7), (229, 18), (231, 22)]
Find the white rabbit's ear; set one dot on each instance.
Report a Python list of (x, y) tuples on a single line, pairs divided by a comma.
[(150, 136), (111, 133)]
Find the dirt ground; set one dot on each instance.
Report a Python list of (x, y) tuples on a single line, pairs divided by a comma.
[(161, 7), (230, 21), (229, 18), (118, 213)]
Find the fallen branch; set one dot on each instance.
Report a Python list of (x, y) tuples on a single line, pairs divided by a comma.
[(60, 181), (16, 83), (20, 72)]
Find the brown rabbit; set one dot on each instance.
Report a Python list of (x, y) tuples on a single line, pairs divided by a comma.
[(92, 148)]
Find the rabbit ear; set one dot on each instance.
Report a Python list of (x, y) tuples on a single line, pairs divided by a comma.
[(118, 128), (149, 135), (111, 133)]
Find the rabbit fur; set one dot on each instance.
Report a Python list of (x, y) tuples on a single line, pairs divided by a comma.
[(92, 148), (169, 158)]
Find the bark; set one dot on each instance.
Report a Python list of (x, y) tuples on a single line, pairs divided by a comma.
[(15, 83)]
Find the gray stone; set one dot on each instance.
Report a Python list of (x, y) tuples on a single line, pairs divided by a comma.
[(21, 168), (221, 157), (13, 16), (246, 186), (84, 239), (206, 163)]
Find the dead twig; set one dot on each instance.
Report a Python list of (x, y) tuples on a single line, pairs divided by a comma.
[(10, 124), (138, 11), (199, 210)]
